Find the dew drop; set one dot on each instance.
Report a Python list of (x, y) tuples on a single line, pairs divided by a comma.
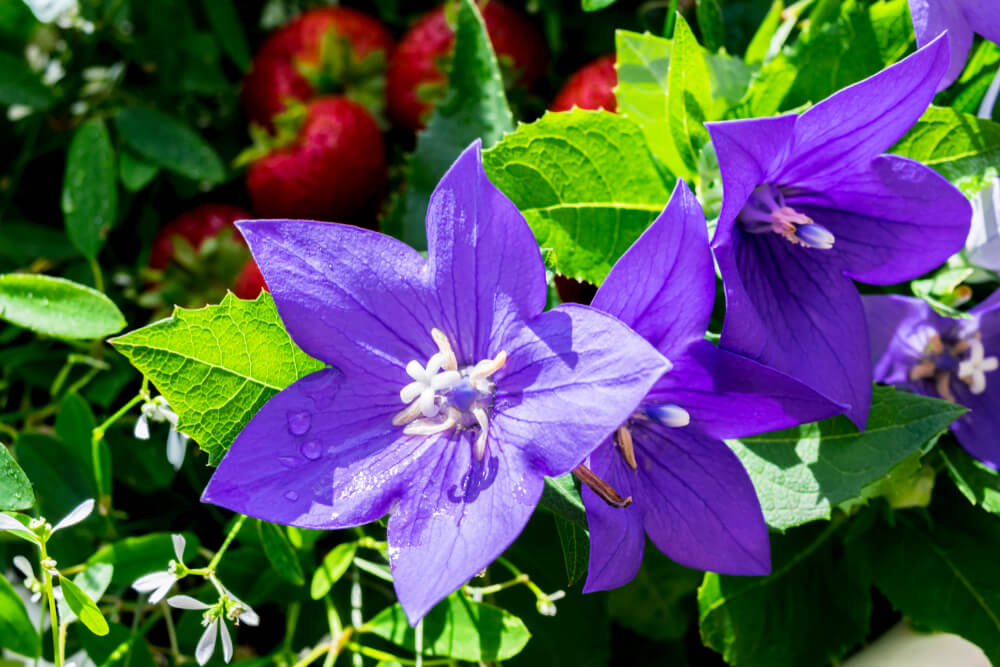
[(291, 495), (299, 422), (311, 449), (289, 461), (322, 386)]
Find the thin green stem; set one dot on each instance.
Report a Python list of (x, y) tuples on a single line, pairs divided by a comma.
[(54, 624), (237, 525), (384, 655), (98, 433), (670, 20), (171, 632), (98, 276)]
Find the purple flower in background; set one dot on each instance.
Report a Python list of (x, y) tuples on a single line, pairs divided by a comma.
[(961, 18), (810, 203), (450, 394), (690, 492), (955, 359)]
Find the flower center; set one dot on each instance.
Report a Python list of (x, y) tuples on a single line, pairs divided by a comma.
[(442, 396), (767, 211), (965, 358), (667, 414)]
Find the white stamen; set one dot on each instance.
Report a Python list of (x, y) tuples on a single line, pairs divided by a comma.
[(479, 450), (973, 370), (450, 362), (424, 427)]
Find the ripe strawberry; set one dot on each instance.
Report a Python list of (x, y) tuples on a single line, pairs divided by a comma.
[(322, 51), (416, 80), (590, 87), (250, 281), (195, 226), (326, 162)]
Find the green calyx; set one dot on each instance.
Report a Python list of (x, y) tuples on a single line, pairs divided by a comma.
[(341, 71)]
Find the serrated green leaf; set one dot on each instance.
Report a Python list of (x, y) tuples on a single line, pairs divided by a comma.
[(57, 307), (279, 552), (457, 628), (962, 148), (561, 496), (19, 85), (90, 188), (18, 633), (655, 603), (586, 184), (979, 483), (135, 173), (768, 621), (134, 557), (84, 608), (943, 575), (228, 28), (15, 489), (218, 365), (474, 107), (801, 473), (575, 544), (333, 567), (169, 143)]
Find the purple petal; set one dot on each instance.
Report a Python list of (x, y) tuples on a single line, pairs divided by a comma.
[(787, 308), (898, 328), (932, 17), (729, 396), (458, 515), (977, 430), (982, 17), (893, 221), (348, 296), (574, 374), (845, 131), (617, 538), (484, 261), (664, 285), (322, 453), (749, 153)]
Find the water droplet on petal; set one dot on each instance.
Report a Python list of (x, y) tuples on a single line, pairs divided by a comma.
[(291, 495), (311, 449), (289, 461), (299, 422), (322, 386)]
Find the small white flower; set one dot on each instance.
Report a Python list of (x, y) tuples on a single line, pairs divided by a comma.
[(158, 584), (8, 522), (546, 607), (214, 620), (158, 410), (76, 515), (30, 581)]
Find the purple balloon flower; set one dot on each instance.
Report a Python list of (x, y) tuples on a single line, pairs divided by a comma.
[(961, 18), (450, 394), (690, 492), (915, 348), (810, 203)]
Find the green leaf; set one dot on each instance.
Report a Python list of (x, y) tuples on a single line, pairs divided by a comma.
[(134, 557), (561, 496), (333, 567), (656, 603), (760, 44), (90, 188), (767, 621), (19, 85), (120, 646), (893, 29), (979, 483), (218, 365), (594, 5), (575, 544), (85, 609), (801, 473), (60, 484), (93, 581), (474, 107), (57, 307), (585, 182), (279, 552), (943, 576), (19, 635), (227, 27), (962, 148), (15, 489), (457, 628), (134, 172), (709, 16), (169, 143), (75, 423), (24, 242), (689, 98)]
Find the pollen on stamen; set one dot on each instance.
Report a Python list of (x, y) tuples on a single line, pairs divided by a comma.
[(668, 414)]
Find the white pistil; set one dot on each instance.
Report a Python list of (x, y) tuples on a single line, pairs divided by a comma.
[(973, 370)]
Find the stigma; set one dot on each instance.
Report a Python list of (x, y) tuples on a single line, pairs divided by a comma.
[(964, 358), (443, 396), (767, 211)]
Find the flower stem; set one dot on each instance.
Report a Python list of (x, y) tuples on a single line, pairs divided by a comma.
[(98, 433), (237, 525), (98, 276), (383, 655), (54, 623)]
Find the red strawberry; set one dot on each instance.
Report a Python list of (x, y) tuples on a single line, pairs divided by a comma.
[(415, 78), (195, 226), (591, 87), (326, 163), (322, 51), (250, 281)]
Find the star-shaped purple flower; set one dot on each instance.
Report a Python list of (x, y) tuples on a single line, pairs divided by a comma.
[(961, 18), (450, 394), (810, 203), (915, 348), (690, 492)]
